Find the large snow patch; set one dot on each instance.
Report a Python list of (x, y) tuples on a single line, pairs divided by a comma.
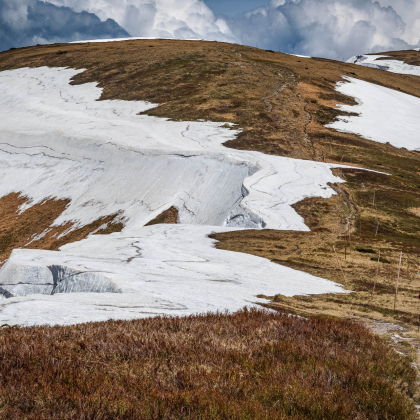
[(385, 115), (161, 269), (59, 140)]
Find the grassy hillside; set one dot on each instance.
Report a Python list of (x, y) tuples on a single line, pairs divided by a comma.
[(250, 365), (281, 103)]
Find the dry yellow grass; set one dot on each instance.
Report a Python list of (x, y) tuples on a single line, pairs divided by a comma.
[(415, 211)]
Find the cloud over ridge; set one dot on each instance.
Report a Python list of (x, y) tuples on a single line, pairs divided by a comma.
[(158, 18), (336, 29), (30, 22)]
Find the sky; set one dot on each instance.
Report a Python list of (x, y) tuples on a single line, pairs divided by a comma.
[(336, 29), (233, 7)]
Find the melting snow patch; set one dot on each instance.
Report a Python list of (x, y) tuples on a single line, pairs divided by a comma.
[(21, 279), (385, 115), (59, 140), (106, 159), (378, 62), (160, 270)]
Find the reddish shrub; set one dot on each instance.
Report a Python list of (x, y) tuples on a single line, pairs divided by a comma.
[(248, 365)]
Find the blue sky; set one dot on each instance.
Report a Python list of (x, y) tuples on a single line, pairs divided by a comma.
[(337, 29), (233, 7)]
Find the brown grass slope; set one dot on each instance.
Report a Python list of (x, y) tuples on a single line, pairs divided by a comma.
[(33, 227), (411, 57), (282, 104), (249, 365), (169, 216)]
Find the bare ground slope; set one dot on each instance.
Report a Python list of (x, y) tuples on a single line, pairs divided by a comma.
[(281, 103)]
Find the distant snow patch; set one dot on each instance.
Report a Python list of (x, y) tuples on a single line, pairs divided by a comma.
[(392, 65), (385, 115)]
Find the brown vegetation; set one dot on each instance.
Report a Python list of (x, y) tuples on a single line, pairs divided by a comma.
[(169, 216), (249, 365), (33, 228), (18, 229), (411, 57), (111, 227)]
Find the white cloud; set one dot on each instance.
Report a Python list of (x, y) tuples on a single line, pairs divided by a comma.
[(330, 28), (335, 29), (30, 22), (158, 18), (409, 10)]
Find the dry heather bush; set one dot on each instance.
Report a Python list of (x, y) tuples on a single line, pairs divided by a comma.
[(248, 365)]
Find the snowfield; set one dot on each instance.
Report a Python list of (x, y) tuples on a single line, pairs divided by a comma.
[(59, 141), (71, 145), (378, 62), (160, 269), (385, 115)]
